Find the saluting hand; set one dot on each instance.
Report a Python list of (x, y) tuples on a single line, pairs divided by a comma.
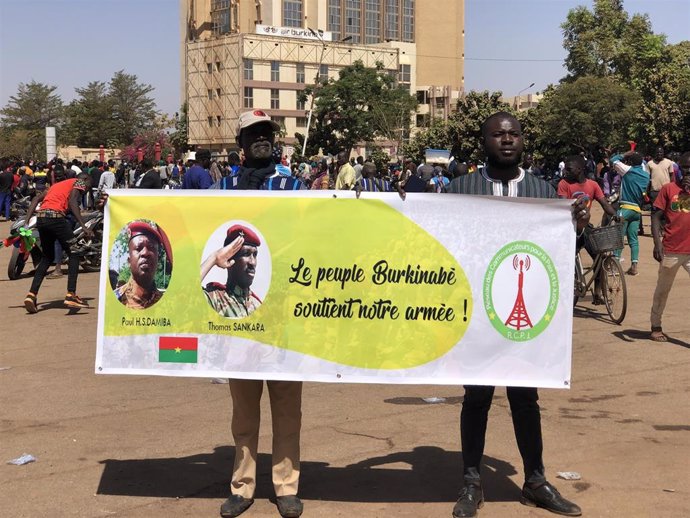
[(224, 256)]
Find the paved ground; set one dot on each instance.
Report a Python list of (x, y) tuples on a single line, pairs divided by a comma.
[(160, 447)]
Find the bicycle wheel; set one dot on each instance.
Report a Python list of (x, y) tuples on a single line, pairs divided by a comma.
[(613, 289), (579, 279)]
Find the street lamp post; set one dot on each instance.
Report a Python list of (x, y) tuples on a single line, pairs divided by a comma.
[(319, 35), (517, 98)]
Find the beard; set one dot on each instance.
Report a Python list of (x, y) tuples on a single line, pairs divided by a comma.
[(260, 151)]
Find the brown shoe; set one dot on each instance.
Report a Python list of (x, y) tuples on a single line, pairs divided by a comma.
[(30, 303), (235, 506)]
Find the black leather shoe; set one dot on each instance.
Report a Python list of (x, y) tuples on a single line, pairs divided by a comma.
[(289, 506), (235, 506), (471, 499), (547, 497)]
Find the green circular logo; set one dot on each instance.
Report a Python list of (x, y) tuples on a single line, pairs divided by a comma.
[(526, 286)]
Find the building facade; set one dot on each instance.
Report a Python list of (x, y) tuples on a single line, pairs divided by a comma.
[(237, 55)]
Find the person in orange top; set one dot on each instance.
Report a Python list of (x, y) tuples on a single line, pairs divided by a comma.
[(53, 226)]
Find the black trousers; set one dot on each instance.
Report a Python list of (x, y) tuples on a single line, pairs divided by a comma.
[(526, 423), (51, 230)]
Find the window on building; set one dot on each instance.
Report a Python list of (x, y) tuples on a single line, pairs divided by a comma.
[(210, 94), (209, 68), (422, 97), (275, 71), (334, 18), (248, 97), (372, 20), (405, 75), (292, 13), (220, 17), (392, 20), (323, 73), (353, 20), (422, 120), (248, 69), (210, 121), (218, 93), (275, 99), (408, 20), (301, 103), (300, 73), (301, 122), (440, 103), (218, 119), (217, 66)]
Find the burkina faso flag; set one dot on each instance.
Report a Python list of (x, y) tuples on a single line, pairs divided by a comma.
[(177, 349)]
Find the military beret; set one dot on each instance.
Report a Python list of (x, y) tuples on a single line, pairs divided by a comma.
[(250, 237)]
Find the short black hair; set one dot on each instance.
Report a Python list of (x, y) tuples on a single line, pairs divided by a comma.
[(496, 116), (635, 158), (576, 159)]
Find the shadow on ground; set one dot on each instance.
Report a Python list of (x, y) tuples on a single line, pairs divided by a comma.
[(633, 335), (434, 476)]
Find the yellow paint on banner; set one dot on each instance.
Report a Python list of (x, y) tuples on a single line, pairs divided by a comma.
[(351, 281)]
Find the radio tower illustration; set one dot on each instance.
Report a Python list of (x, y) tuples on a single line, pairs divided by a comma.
[(519, 319)]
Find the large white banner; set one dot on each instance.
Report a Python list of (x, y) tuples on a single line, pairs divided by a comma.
[(321, 286)]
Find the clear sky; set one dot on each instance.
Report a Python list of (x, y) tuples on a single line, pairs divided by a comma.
[(68, 43)]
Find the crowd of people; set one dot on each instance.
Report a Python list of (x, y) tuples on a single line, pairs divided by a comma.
[(624, 184)]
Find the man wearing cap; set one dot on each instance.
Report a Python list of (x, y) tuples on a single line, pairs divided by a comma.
[(198, 176), (256, 135), (238, 256), (144, 247)]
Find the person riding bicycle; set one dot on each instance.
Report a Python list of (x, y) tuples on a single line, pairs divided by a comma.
[(575, 185)]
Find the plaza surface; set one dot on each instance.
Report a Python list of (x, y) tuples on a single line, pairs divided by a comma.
[(133, 446)]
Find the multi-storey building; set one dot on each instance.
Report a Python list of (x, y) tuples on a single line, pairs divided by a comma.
[(237, 55)]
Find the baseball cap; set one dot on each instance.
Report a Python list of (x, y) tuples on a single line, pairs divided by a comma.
[(254, 117)]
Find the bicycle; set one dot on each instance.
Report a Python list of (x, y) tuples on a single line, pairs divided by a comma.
[(601, 242)]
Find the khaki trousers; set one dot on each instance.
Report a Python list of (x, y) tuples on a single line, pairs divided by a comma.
[(286, 415), (668, 268)]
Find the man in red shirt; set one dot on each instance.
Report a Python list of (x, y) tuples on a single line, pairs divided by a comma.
[(575, 185), (673, 204), (53, 226)]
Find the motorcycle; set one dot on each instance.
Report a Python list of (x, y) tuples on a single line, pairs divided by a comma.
[(88, 249)]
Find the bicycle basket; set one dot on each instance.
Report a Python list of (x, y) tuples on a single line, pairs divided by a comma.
[(604, 239)]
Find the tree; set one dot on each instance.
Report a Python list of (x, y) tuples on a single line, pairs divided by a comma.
[(179, 137), (361, 105), (584, 115), (90, 122), (608, 42), (436, 136), (25, 117), (35, 106), (133, 110)]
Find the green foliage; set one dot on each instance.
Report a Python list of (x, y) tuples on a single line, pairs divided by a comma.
[(608, 42), (133, 110), (436, 136), (179, 137), (583, 115), (35, 106), (24, 119), (361, 105), (89, 116), (380, 158)]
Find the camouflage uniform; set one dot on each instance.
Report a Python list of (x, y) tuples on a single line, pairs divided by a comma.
[(232, 303), (125, 294)]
